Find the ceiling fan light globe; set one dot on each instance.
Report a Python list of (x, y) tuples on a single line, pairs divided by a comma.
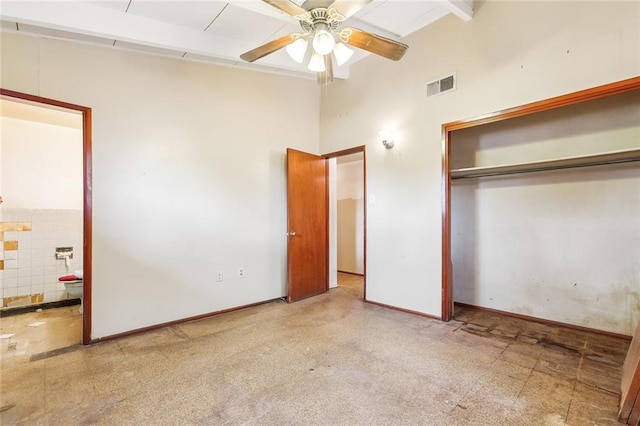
[(342, 53), (323, 42), (316, 63), (297, 49)]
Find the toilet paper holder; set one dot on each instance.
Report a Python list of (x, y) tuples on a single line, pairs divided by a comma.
[(64, 252)]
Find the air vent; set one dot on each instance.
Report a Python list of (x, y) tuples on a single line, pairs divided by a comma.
[(441, 85)]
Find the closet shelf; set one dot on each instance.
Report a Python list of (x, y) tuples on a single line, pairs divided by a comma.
[(611, 157)]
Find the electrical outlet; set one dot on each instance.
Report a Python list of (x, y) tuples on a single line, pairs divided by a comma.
[(240, 272), (219, 276)]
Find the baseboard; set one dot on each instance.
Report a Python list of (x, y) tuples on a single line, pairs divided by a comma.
[(351, 273), (176, 322), (17, 310), (407, 311), (544, 321)]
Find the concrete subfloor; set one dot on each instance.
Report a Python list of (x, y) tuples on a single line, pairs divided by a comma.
[(331, 359)]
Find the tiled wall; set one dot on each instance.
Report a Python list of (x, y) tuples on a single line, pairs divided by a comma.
[(29, 271)]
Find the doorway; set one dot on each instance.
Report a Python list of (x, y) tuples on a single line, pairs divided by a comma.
[(61, 209), (347, 219)]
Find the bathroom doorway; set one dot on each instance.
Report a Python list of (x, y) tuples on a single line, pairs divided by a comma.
[(45, 186)]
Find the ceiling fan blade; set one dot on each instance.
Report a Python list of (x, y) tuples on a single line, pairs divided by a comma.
[(267, 48), (373, 43), (326, 77), (348, 7), (286, 6)]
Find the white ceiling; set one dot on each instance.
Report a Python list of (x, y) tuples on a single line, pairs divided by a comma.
[(211, 30)]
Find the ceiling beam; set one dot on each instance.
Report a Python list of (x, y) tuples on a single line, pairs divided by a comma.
[(463, 9), (265, 9), (85, 18), (365, 26)]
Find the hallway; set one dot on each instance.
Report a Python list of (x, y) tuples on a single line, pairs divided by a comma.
[(331, 359)]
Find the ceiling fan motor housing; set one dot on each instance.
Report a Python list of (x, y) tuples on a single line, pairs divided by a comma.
[(321, 18)]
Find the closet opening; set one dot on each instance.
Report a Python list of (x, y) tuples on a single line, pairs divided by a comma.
[(540, 210)]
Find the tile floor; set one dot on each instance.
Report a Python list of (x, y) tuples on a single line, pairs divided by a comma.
[(331, 359), (39, 332)]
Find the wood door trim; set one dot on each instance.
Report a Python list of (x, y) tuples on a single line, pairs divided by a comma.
[(629, 403), (326, 225), (87, 197), (634, 418), (594, 93), (348, 151)]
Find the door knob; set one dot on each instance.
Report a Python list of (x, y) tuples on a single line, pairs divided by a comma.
[(291, 234)]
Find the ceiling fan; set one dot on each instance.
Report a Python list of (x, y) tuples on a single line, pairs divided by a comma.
[(322, 27)]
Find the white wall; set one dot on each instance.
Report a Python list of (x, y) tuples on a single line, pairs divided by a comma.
[(188, 174), (333, 222), (511, 53), (350, 179), (1, 196), (603, 125), (561, 245), (350, 235), (41, 165), (350, 216)]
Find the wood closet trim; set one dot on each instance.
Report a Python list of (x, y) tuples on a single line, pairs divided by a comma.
[(87, 197), (598, 92)]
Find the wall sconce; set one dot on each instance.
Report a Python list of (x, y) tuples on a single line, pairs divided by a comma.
[(386, 137)]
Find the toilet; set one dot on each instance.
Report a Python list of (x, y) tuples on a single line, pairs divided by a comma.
[(74, 288)]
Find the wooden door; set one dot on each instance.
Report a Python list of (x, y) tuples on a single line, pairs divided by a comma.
[(630, 384), (307, 222)]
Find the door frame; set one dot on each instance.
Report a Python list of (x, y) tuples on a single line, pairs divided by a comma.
[(87, 196), (348, 151)]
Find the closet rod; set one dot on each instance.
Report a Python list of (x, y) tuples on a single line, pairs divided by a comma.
[(614, 157)]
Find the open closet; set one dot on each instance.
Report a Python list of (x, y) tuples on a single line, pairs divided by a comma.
[(542, 210)]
